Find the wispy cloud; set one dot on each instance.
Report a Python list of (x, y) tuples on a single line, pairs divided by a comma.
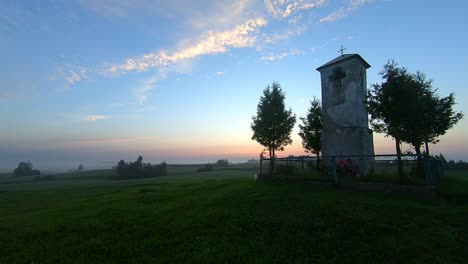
[(75, 76), (69, 75), (274, 38), (96, 117), (234, 25), (277, 57), (190, 16), (285, 8), (107, 140), (344, 11), (241, 36), (141, 93)]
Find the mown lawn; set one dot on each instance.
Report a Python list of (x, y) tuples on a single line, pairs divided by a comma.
[(223, 216)]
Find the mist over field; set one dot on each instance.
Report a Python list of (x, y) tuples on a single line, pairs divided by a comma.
[(58, 162)]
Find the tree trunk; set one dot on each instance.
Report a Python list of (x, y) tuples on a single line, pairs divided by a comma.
[(420, 166), (418, 151), (400, 163), (318, 161), (272, 160), (427, 148)]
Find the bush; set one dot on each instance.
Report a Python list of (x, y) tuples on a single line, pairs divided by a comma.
[(138, 169), (25, 169), (206, 168), (284, 170), (43, 178), (222, 163)]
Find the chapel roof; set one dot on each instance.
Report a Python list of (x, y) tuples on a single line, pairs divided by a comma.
[(344, 57)]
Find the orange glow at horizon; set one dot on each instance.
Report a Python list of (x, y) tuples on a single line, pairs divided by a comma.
[(237, 148)]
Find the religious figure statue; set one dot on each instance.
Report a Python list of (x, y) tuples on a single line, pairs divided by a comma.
[(345, 114)]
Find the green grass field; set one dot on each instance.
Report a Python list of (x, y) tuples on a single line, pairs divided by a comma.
[(224, 216)]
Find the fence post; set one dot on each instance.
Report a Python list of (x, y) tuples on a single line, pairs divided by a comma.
[(335, 177), (427, 171), (302, 167), (261, 160), (442, 169)]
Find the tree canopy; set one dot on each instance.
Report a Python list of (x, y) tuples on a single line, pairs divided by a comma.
[(25, 168), (273, 124), (139, 169), (311, 128), (406, 107)]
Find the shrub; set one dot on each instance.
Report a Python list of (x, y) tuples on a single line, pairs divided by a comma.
[(222, 163), (284, 170), (25, 169), (138, 169), (43, 178), (207, 167)]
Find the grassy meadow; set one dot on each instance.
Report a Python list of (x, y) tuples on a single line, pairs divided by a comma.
[(225, 216)]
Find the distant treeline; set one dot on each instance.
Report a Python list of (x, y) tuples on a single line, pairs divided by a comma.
[(451, 164), (138, 169), (25, 168)]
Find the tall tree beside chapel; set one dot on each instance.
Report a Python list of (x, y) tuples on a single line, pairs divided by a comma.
[(406, 107), (311, 129), (273, 124)]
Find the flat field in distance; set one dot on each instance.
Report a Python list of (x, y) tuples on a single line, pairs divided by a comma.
[(224, 216)]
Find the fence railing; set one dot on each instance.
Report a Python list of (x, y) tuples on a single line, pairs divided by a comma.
[(409, 170)]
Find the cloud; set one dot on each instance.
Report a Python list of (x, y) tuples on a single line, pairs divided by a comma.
[(221, 14), (275, 38), (344, 11), (231, 24), (141, 93), (276, 57), (220, 73), (107, 140), (192, 17), (69, 75), (284, 8), (241, 36), (96, 117)]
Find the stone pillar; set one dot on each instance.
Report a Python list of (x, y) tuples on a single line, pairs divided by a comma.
[(345, 118)]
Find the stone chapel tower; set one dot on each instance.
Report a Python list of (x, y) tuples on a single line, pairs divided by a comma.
[(345, 117)]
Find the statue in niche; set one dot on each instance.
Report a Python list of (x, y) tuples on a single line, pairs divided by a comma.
[(337, 77), (343, 113)]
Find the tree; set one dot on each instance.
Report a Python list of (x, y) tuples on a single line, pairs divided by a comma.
[(405, 107), (383, 103), (80, 168), (430, 115), (273, 124), (311, 129), (139, 169), (25, 169), (439, 117), (222, 163)]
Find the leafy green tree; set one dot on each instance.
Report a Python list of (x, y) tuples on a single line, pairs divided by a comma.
[(25, 169), (222, 163), (439, 115), (139, 169), (273, 124), (384, 103), (429, 115), (405, 107), (311, 129)]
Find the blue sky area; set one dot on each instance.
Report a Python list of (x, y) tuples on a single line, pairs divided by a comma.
[(95, 81)]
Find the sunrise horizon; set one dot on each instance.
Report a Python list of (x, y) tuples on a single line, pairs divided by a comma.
[(94, 82)]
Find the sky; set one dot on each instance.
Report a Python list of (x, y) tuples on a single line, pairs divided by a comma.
[(95, 81)]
